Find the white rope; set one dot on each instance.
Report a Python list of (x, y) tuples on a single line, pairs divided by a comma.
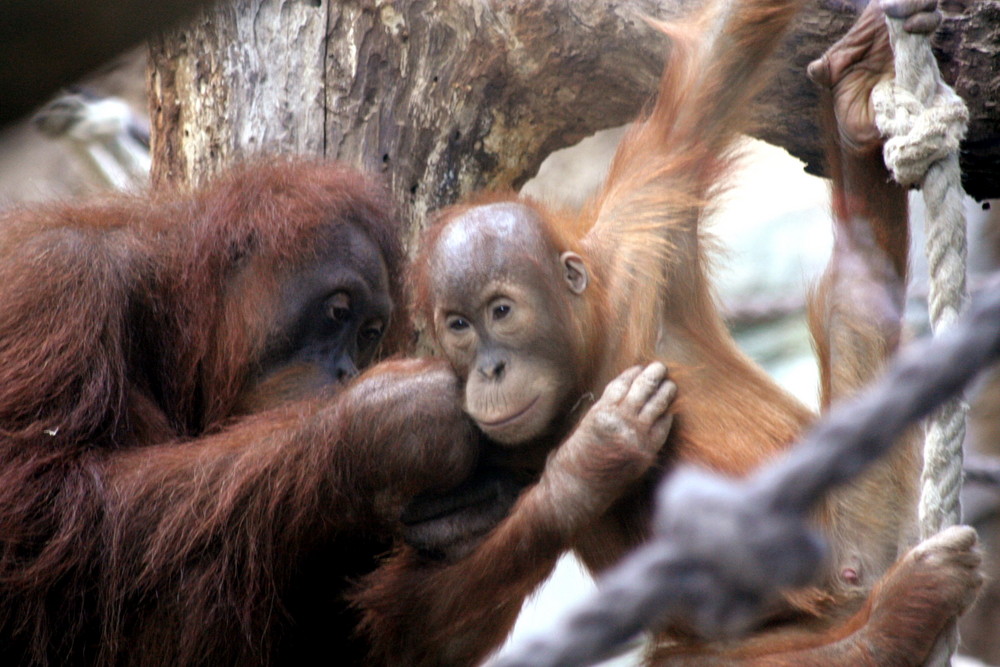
[(925, 121)]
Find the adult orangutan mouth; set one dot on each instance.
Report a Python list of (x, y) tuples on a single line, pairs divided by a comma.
[(510, 419), (482, 488)]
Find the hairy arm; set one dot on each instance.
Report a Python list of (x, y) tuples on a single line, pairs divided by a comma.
[(193, 543), (419, 612), (857, 313), (661, 179), (396, 431)]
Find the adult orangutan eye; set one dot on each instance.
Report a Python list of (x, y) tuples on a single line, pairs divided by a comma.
[(373, 332), (338, 307), (501, 311)]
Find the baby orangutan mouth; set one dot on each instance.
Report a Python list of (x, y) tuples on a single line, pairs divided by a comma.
[(504, 421)]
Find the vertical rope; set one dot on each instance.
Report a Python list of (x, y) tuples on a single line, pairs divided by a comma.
[(925, 121)]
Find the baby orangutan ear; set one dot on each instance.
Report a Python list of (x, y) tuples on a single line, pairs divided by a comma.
[(574, 272)]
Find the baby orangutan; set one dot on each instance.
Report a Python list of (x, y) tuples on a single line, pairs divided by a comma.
[(537, 310)]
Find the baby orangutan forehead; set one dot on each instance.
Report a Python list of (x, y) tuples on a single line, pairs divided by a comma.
[(488, 243)]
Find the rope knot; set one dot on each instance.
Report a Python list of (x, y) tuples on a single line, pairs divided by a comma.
[(917, 135)]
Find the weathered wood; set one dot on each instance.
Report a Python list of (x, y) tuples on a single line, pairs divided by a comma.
[(967, 48), (244, 77), (446, 96), (443, 97)]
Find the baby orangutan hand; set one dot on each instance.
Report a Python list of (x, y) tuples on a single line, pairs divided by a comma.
[(616, 443)]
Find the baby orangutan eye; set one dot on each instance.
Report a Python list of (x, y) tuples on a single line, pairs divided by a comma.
[(458, 324)]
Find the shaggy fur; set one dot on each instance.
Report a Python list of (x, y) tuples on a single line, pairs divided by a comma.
[(142, 520)]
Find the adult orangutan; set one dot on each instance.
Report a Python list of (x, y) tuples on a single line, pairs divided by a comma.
[(536, 310), (181, 483)]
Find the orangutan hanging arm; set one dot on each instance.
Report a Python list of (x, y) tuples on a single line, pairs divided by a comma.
[(661, 177)]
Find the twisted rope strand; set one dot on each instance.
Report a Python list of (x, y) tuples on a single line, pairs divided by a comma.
[(925, 122)]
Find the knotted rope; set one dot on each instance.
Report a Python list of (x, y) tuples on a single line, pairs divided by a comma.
[(925, 121)]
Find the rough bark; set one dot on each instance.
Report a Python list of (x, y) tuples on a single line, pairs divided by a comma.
[(445, 96)]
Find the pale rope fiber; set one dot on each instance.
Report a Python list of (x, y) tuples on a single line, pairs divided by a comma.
[(924, 122)]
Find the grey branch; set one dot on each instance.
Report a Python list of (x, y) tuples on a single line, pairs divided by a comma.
[(982, 470)]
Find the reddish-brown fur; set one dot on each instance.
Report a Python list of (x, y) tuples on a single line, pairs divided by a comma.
[(647, 256), (143, 521)]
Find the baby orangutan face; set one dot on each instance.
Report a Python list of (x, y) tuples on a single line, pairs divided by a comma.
[(501, 312)]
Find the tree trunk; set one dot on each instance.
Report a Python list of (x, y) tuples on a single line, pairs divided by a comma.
[(448, 96)]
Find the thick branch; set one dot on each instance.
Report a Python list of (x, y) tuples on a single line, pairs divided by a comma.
[(449, 96)]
